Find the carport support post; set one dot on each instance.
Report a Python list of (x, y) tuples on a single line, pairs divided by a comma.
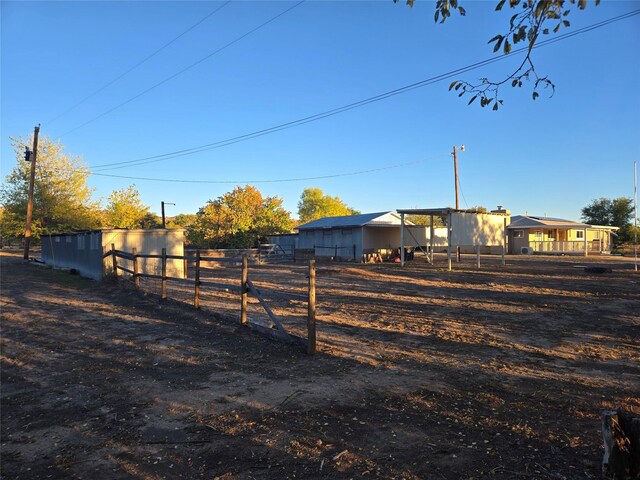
[(311, 316), (196, 296), (449, 241), (504, 241), (244, 292), (163, 294), (115, 259), (136, 278), (431, 233), (402, 239)]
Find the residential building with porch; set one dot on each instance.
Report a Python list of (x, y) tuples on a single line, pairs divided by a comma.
[(528, 235)]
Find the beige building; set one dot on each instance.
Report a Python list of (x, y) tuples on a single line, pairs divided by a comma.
[(528, 235)]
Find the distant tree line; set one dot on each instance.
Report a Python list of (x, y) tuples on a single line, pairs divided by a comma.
[(63, 202)]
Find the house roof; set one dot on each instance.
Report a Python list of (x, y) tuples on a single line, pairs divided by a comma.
[(526, 221), (360, 220)]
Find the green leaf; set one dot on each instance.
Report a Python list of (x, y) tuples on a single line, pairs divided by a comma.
[(545, 31), (557, 27), (566, 23), (535, 95), (495, 106), (497, 37), (453, 84), (497, 45), (500, 5), (507, 47), (462, 11), (472, 99), (436, 16)]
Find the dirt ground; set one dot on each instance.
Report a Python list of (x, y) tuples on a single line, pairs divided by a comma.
[(421, 373)]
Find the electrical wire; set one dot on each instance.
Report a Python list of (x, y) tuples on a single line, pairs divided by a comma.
[(345, 108), (138, 64), (281, 180), (171, 77)]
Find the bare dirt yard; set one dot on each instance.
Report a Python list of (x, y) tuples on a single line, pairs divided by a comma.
[(421, 373)]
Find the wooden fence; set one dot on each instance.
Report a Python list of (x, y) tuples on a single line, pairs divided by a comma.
[(276, 331)]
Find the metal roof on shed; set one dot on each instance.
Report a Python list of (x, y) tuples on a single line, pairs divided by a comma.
[(522, 221), (345, 221)]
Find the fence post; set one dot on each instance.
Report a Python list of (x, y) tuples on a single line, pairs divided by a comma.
[(478, 255), (504, 260), (185, 266), (244, 292), (136, 278), (196, 298), (458, 253), (115, 259), (311, 316), (164, 274), (354, 251)]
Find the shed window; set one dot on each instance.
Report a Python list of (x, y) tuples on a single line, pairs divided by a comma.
[(57, 239), (579, 234), (518, 233), (80, 242), (68, 239), (327, 233), (93, 242), (346, 231)]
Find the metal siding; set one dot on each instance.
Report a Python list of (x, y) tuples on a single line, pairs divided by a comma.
[(476, 229)]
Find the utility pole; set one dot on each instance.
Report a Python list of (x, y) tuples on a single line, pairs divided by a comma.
[(163, 204), (33, 155), (455, 174)]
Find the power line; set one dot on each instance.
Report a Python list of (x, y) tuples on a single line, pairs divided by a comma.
[(360, 103), (171, 77), (139, 63), (281, 180)]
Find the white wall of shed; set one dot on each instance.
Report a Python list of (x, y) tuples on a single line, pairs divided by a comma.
[(476, 229), (148, 242)]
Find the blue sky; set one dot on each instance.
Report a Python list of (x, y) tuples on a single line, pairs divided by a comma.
[(552, 155)]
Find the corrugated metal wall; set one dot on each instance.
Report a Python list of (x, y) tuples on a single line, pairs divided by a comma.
[(83, 251)]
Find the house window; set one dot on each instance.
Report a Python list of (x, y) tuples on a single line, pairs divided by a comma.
[(518, 234), (538, 234), (580, 234), (551, 234)]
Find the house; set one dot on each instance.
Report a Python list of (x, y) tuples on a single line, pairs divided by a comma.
[(528, 234), (84, 251), (466, 230), (353, 237)]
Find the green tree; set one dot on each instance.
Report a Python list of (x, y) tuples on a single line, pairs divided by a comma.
[(182, 220), (239, 219), (62, 199), (532, 19), (125, 209), (616, 212), (425, 220), (314, 204)]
